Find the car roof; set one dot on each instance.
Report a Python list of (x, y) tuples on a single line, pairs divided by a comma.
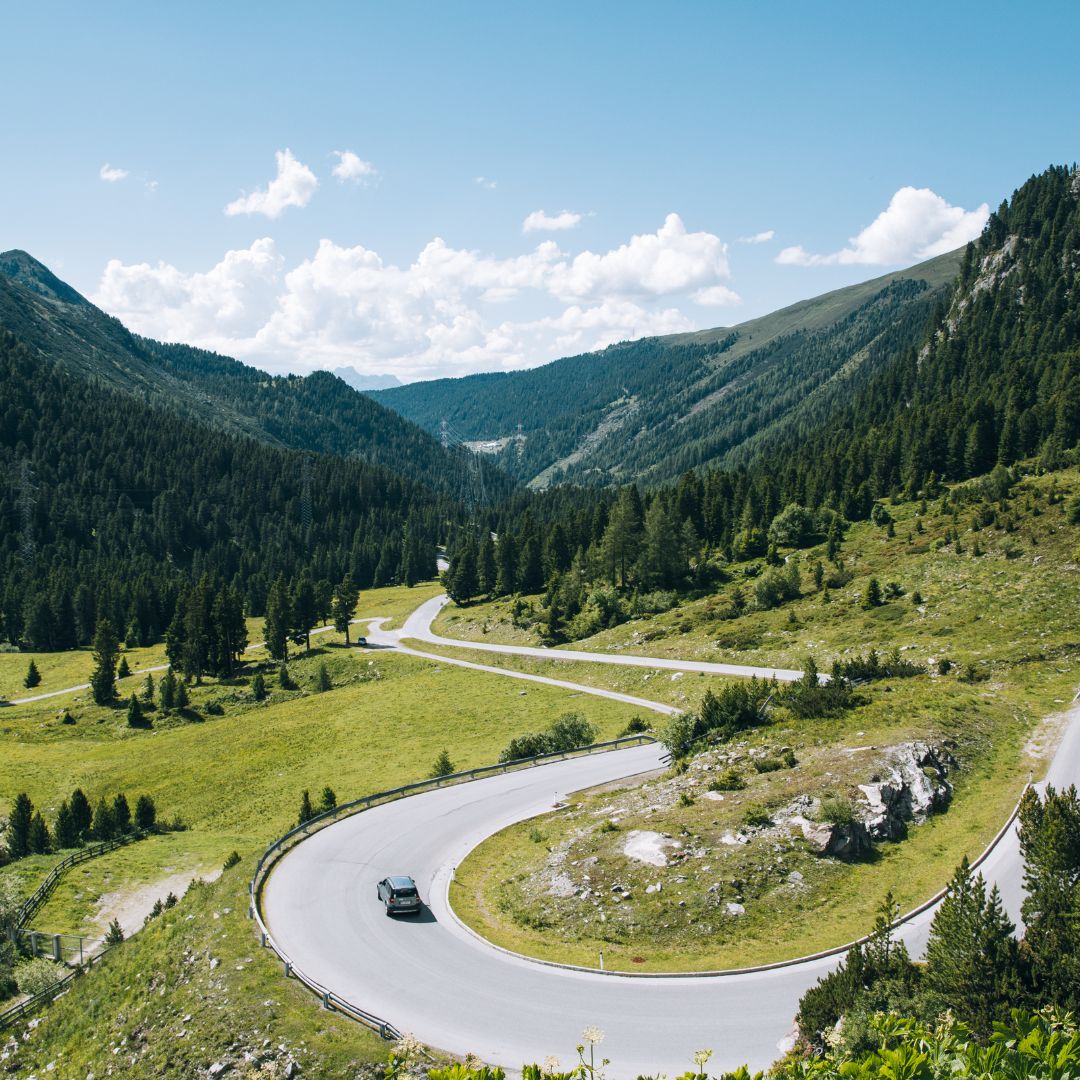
[(401, 882)]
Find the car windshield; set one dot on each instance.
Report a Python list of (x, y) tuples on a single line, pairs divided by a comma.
[(404, 892)]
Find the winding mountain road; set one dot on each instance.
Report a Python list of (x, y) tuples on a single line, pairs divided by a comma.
[(418, 627), (451, 989)]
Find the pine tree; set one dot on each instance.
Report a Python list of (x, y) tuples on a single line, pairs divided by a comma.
[(307, 811), (462, 583), (506, 565), (182, 699), (136, 718), (972, 963), (39, 840), (303, 611), (33, 676), (106, 649), (168, 691), (65, 830), (104, 827), (145, 813), (258, 687), (873, 594), (115, 934), (285, 679), (121, 813), (18, 830), (322, 679), (1050, 844), (486, 568), (81, 812), (622, 538), (148, 691), (328, 800), (530, 575), (443, 766), (123, 671), (343, 606), (276, 624)]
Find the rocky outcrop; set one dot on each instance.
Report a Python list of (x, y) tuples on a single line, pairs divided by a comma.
[(914, 787)]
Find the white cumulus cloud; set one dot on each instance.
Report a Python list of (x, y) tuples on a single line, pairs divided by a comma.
[(539, 221), (668, 261), (917, 224), (112, 174), (351, 166), (448, 312), (293, 185), (485, 182), (717, 296)]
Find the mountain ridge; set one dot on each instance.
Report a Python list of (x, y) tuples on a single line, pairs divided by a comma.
[(318, 412), (584, 418)]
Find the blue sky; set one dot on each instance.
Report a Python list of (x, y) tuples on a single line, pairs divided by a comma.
[(796, 119)]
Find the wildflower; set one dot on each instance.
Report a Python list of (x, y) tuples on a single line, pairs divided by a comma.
[(593, 1035)]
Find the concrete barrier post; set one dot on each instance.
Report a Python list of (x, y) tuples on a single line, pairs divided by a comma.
[(57, 949), (288, 969)]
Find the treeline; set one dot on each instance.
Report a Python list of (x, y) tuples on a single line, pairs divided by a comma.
[(76, 823), (112, 509), (976, 971)]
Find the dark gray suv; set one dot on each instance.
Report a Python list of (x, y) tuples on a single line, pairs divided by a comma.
[(400, 896)]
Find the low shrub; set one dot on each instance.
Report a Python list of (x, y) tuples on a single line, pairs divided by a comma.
[(729, 780)]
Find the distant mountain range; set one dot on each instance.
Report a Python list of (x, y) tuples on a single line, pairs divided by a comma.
[(652, 408), (358, 381)]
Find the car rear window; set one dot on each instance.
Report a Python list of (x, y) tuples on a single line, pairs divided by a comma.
[(404, 892)]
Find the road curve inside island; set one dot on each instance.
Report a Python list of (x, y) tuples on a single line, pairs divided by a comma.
[(453, 990)]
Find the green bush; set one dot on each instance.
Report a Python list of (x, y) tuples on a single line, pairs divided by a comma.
[(33, 976), (836, 810), (729, 780)]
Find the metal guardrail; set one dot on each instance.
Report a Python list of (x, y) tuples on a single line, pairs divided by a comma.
[(32, 904), (329, 999)]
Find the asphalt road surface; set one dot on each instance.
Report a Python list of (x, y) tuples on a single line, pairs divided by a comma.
[(439, 981)]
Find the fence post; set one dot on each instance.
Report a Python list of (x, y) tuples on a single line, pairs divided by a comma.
[(33, 943), (57, 949)]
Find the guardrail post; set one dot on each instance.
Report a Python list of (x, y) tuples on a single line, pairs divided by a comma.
[(326, 1001), (288, 969), (57, 949), (262, 938)]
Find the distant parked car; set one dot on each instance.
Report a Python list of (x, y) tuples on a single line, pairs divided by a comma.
[(361, 641), (400, 896)]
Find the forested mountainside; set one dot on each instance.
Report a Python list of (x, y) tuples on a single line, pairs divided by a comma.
[(318, 412), (111, 505), (992, 378), (651, 409)]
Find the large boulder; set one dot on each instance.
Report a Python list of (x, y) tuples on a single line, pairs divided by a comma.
[(915, 788)]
